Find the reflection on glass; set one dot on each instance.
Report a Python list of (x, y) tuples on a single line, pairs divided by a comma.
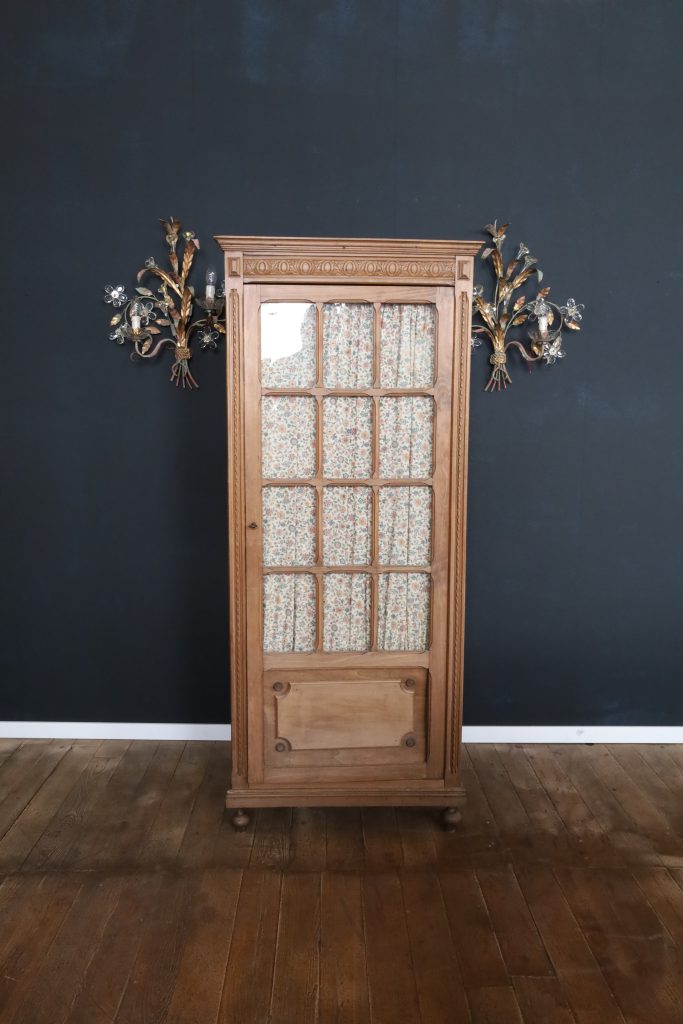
[(403, 611), (347, 519), (347, 345), (289, 525), (288, 331), (405, 525), (347, 437), (405, 436), (346, 611), (288, 427), (289, 612), (407, 334)]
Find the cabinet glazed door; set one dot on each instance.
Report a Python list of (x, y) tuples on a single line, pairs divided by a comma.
[(348, 454)]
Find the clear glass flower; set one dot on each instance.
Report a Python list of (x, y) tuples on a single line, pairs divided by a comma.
[(552, 350), (119, 335), (208, 338), (220, 290), (115, 294), (146, 312), (476, 341), (150, 262), (539, 307), (478, 290), (522, 251), (490, 309), (572, 312)]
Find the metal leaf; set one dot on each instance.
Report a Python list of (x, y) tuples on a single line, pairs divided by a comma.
[(145, 291), (116, 319), (152, 330), (519, 302), (497, 262), (164, 323), (572, 326), (519, 320)]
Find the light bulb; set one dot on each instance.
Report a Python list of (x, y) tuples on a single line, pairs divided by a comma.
[(136, 315), (210, 285)]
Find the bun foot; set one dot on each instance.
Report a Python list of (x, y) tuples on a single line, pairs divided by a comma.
[(450, 817), (240, 819)]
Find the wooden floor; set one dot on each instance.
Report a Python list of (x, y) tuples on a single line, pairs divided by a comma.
[(127, 897)]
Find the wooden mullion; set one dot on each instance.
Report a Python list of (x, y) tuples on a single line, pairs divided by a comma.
[(376, 344), (315, 481), (324, 570), (320, 390)]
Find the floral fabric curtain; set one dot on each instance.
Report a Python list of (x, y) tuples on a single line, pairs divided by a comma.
[(405, 444)]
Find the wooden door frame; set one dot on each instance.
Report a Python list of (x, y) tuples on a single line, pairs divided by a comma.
[(309, 261)]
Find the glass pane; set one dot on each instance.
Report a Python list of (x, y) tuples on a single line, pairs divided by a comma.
[(347, 521), (288, 331), (403, 611), (346, 611), (289, 612), (289, 525), (405, 525), (347, 437), (288, 437), (347, 345), (405, 436), (407, 334)]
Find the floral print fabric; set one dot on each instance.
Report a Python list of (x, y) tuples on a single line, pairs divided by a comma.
[(405, 525), (289, 612), (288, 344), (288, 428), (346, 612), (348, 330), (403, 611), (347, 437), (406, 436), (347, 519), (289, 525), (407, 344)]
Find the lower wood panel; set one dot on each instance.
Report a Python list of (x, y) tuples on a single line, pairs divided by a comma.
[(126, 896)]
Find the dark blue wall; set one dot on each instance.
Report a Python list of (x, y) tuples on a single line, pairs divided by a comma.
[(355, 117)]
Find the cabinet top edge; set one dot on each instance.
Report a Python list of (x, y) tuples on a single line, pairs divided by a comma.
[(254, 245)]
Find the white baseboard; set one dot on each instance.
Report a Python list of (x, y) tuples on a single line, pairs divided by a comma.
[(471, 733)]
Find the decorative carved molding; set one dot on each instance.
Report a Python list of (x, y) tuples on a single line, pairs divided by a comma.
[(239, 716), (460, 411), (295, 266)]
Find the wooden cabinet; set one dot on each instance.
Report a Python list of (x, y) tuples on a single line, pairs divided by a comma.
[(348, 380)]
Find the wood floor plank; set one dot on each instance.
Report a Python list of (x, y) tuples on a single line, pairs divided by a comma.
[(344, 839), (416, 828), (149, 990), (521, 945), (209, 926), (665, 897), (553, 840), (99, 998), (474, 938), (272, 838), (660, 795), (381, 839), (582, 764), (19, 840), (635, 952), (588, 994), (67, 826), (440, 988), (296, 976), (32, 777), (308, 839), (344, 992), (541, 1001), (249, 973), (7, 748), (582, 827), (512, 819), (393, 992), (494, 1006), (164, 839), (483, 841), (14, 768), (56, 983), (206, 817)]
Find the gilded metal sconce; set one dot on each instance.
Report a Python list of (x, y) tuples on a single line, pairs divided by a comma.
[(144, 316), (497, 316)]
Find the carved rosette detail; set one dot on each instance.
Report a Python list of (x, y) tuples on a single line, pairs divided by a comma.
[(278, 266)]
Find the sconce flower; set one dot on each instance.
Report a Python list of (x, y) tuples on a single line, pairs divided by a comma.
[(115, 295), (500, 314), (171, 306)]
